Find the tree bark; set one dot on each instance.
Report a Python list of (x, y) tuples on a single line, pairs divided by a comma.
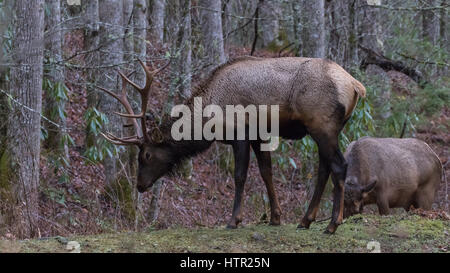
[(297, 25), (140, 50), (91, 44), (140, 33), (338, 28), (54, 103), (444, 43), (269, 11), (353, 37), (181, 50), (111, 56), (212, 37), (157, 20), (430, 21), (371, 27), (128, 39), (313, 19), (24, 120)]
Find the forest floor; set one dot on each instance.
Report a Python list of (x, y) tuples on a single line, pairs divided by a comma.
[(405, 232)]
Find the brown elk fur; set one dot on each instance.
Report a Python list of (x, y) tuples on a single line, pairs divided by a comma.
[(390, 172), (315, 97)]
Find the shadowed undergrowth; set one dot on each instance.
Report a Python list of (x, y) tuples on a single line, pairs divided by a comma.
[(395, 233)]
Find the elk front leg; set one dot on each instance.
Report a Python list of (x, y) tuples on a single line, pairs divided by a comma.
[(313, 208), (241, 151), (383, 205), (265, 168)]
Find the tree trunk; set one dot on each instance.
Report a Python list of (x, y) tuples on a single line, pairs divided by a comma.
[(269, 11), (353, 37), (91, 43), (157, 20), (444, 43), (212, 37), (371, 27), (140, 35), (54, 100), (313, 19), (128, 39), (430, 21), (430, 26), (181, 74), (24, 120), (111, 56), (297, 25), (180, 83), (140, 50), (337, 27)]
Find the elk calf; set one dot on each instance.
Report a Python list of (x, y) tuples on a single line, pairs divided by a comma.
[(391, 173)]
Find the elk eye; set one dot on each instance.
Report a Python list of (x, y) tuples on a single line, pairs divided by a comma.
[(147, 156)]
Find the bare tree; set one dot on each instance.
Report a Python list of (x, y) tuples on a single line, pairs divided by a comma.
[(430, 21), (157, 20), (297, 26), (371, 27), (128, 27), (24, 120), (140, 50), (269, 12), (111, 55), (54, 100), (140, 32), (91, 44), (212, 37), (444, 16), (337, 23), (313, 21)]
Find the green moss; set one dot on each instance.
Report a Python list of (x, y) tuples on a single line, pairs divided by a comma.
[(400, 233), (5, 176)]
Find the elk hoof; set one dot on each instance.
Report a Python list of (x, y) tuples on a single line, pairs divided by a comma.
[(232, 226), (275, 221), (304, 224), (331, 229)]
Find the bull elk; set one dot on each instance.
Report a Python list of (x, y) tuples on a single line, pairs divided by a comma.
[(315, 97)]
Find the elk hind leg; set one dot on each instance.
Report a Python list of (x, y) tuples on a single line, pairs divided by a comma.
[(313, 208), (241, 151), (338, 173)]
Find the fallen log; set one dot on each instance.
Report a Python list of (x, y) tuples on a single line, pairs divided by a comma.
[(388, 64)]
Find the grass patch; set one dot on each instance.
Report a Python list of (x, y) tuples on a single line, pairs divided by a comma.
[(396, 233)]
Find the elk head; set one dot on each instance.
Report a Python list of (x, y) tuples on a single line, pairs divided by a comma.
[(155, 158), (354, 196)]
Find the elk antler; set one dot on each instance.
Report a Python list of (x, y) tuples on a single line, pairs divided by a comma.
[(141, 135)]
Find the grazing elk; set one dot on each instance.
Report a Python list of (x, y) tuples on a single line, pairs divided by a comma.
[(392, 173), (315, 97)]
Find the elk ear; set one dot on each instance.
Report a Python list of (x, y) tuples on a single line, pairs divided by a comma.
[(156, 135), (367, 189)]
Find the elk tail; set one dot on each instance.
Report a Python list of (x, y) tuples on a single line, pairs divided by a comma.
[(359, 88)]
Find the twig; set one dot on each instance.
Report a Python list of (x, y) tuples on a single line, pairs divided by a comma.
[(421, 61), (63, 128), (405, 8)]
